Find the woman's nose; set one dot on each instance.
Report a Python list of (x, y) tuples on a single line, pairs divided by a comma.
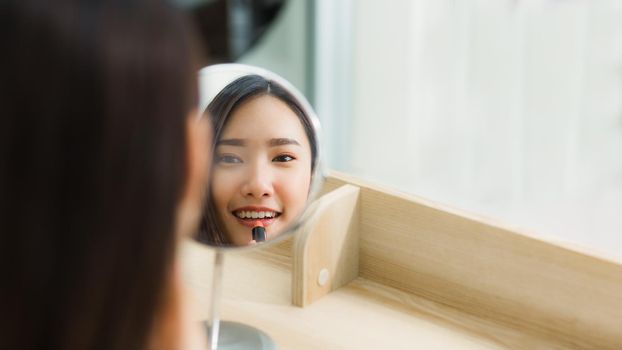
[(258, 183)]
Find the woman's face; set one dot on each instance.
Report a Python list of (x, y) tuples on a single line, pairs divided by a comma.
[(262, 169)]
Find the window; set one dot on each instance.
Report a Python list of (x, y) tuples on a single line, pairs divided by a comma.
[(511, 109)]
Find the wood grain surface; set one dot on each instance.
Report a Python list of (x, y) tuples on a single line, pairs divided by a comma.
[(456, 259), (430, 277)]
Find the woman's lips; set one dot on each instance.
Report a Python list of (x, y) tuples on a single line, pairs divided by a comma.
[(250, 215), (253, 222)]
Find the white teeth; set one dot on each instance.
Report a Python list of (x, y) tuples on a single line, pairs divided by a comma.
[(255, 214)]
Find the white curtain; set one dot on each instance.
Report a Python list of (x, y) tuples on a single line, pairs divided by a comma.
[(507, 108)]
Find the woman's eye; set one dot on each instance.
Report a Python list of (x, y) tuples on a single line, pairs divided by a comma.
[(228, 159), (283, 158)]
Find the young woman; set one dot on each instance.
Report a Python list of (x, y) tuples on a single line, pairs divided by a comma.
[(264, 156), (101, 170)]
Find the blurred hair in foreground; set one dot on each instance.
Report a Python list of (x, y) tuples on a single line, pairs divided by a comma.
[(94, 99)]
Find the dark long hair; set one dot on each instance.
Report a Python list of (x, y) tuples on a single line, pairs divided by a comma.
[(219, 110), (93, 103)]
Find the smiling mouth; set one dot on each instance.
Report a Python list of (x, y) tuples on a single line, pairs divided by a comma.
[(255, 215)]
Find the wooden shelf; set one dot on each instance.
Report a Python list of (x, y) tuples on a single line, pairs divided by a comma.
[(361, 315), (426, 277)]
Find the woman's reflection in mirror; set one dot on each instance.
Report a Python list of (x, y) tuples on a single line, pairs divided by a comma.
[(265, 151)]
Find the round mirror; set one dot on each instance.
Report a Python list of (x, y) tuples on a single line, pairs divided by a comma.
[(265, 156)]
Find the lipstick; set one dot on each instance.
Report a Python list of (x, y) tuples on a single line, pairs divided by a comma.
[(258, 232)]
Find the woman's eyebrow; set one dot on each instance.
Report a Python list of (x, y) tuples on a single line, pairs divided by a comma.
[(231, 142), (282, 141)]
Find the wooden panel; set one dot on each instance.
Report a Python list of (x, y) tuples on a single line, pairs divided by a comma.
[(361, 315), (327, 246), (448, 257)]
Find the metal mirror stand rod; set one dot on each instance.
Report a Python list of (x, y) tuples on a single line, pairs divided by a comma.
[(214, 319)]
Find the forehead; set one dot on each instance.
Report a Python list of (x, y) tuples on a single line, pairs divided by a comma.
[(264, 117)]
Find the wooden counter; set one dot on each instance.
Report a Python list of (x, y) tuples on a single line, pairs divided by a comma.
[(361, 315), (451, 282)]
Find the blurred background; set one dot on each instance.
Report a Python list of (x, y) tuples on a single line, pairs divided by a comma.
[(509, 109)]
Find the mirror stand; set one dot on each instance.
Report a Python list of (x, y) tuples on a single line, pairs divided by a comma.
[(228, 335)]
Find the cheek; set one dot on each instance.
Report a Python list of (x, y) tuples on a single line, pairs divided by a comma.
[(223, 189), (294, 190)]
